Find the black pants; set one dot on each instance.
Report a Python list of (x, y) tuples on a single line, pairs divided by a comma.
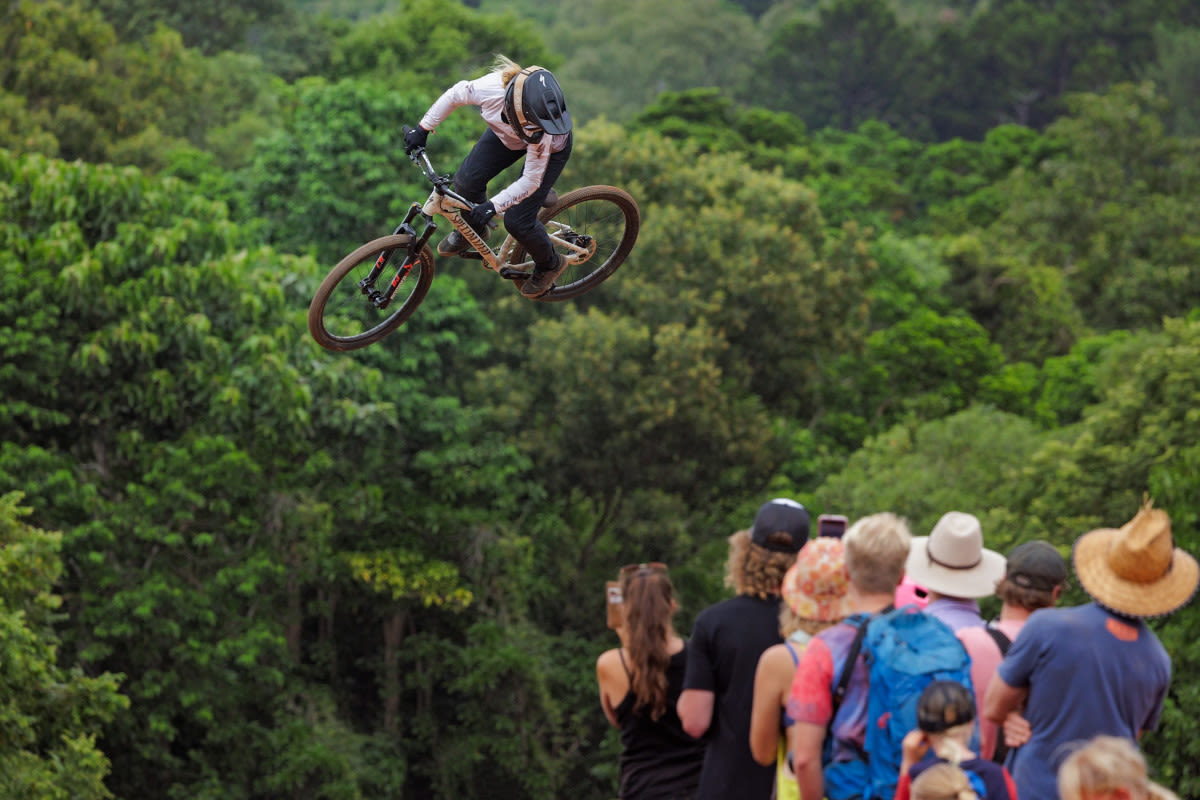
[(487, 159)]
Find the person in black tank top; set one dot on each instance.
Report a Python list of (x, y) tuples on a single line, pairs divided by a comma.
[(639, 685)]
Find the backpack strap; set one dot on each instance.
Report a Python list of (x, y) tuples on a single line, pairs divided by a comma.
[(1000, 753), (843, 683), (1002, 641)]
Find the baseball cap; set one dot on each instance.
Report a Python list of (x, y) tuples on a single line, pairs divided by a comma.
[(780, 515), (1036, 565)]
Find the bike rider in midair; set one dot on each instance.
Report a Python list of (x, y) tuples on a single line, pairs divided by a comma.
[(526, 115)]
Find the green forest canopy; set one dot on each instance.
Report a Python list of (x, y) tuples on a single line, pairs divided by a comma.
[(289, 573)]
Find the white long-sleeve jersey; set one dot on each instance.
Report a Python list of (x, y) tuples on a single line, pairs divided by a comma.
[(488, 93)]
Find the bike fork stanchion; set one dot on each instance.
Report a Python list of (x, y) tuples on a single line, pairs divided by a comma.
[(367, 285)]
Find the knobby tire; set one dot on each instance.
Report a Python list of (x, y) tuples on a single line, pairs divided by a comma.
[(341, 317)]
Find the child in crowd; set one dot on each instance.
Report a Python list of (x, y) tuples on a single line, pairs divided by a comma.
[(945, 723), (943, 782), (1108, 768)]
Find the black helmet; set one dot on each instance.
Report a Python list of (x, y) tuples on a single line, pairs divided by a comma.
[(534, 99)]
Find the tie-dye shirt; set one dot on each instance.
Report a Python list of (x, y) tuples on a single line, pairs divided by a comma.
[(811, 698)]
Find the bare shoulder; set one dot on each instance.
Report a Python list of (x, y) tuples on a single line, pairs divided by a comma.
[(608, 661), (775, 657)]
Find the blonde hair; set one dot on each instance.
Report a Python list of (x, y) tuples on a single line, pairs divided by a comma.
[(754, 570), (1105, 764), (876, 552), (942, 782), (789, 623), (507, 68)]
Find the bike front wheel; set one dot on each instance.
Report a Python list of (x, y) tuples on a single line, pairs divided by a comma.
[(595, 225), (345, 314)]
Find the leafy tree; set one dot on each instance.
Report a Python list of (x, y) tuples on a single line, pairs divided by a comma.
[(217, 26), (71, 89), (52, 713), (334, 176), (974, 460), (214, 472), (851, 65), (428, 45), (1176, 73), (1115, 210), (1027, 309), (649, 48)]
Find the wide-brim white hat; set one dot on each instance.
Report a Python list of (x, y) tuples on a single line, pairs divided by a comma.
[(952, 560)]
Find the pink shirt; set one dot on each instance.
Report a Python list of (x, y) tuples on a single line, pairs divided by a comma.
[(985, 657)]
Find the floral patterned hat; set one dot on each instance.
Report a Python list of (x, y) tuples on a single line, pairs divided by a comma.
[(815, 586)]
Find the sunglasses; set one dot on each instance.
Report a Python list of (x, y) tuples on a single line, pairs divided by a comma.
[(651, 566)]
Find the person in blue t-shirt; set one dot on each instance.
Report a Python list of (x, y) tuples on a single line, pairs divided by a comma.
[(1071, 668)]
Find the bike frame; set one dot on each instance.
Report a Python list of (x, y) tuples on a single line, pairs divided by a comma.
[(445, 202)]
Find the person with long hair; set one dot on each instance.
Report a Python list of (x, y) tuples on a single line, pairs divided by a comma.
[(526, 115), (640, 683)]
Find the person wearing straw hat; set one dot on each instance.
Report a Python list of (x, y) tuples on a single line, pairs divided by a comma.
[(1097, 668), (955, 569)]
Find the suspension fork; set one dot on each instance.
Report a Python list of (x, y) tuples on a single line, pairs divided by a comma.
[(367, 284)]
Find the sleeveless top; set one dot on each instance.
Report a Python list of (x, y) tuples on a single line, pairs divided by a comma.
[(786, 787), (658, 759)]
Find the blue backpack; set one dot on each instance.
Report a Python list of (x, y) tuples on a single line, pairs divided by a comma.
[(904, 650)]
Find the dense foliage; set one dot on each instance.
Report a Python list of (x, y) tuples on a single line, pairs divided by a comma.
[(238, 566)]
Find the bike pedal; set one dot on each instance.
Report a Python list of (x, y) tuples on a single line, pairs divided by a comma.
[(514, 274)]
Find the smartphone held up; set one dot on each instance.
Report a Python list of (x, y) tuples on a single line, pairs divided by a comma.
[(612, 590), (831, 525)]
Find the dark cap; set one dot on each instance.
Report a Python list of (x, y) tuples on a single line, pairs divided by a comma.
[(1036, 565), (780, 516), (944, 705)]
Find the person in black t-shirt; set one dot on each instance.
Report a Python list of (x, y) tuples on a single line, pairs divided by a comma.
[(727, 640), (640, 683)]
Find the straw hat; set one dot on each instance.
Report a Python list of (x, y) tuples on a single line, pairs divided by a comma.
[(952, 561), (815, 586), (1136, 570)]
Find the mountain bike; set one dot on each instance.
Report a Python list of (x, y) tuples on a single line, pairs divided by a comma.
[(377, 287)]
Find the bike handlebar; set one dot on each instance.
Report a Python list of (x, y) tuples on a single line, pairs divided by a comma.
[(441, 183)]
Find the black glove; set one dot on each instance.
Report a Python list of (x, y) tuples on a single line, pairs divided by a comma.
[(480, 215), (414, 138)]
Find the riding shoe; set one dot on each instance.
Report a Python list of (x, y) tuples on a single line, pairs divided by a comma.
[(542, 280), (456, 243)]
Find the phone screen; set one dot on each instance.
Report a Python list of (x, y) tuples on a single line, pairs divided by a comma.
[(613, 598), (831, 525)]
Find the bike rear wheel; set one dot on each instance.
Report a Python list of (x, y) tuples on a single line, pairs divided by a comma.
[(342, 315), (605, 221)]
